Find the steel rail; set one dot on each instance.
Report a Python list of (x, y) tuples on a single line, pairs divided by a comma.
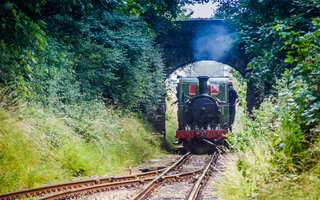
[(153, 183), (103, 187), (39, 191), (195, 191)]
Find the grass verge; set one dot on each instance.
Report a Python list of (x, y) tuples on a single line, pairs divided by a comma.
[(271, 160), (39, 145)]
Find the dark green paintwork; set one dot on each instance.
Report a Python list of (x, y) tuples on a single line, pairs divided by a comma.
[(222, 96)]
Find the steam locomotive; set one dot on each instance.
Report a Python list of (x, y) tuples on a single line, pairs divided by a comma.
[(203, 112)]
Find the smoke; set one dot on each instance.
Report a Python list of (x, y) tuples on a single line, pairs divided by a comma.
[(211, 43)]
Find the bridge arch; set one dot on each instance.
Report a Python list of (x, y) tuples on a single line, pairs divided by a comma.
[(197, 40)]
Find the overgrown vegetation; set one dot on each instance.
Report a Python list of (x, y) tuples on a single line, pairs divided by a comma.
[(272, 159), (107, 55), (66, 65), (82, 70), (278, 41), (277, 152), (171, 116), (39, 145)]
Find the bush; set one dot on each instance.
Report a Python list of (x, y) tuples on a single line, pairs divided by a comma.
[(273, 159)]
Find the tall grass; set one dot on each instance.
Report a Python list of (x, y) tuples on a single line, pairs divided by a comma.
[(171, 118), (271, 160), (245, 171), (39, 145), (171, 126), (254, 174)]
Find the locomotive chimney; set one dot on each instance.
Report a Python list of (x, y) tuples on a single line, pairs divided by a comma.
[(203, 87)]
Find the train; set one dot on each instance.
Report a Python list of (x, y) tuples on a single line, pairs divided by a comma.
[(203, 113)]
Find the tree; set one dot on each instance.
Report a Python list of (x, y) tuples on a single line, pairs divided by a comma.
[(278, 37)]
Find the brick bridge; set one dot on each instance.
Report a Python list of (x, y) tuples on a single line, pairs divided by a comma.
[(195, 40)]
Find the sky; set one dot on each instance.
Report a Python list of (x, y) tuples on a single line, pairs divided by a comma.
[(202, 10)]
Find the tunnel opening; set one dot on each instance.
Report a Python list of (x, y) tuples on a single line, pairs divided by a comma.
[(192, 70)]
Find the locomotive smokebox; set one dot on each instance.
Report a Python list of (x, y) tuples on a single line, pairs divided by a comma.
[(203, 86)]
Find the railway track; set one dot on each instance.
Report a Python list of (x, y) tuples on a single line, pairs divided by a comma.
[(38, 192), (189, 169), (187, 187)]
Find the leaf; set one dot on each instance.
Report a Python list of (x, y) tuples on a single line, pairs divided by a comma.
[(8, 5), (28, 68), (289, 59)]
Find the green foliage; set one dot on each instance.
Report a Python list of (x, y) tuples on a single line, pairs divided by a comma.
[(245, 172), (70, 60), (281, 40), (273, 122), (114, 59), (254, 174), (273, 157), (54, 80), (256, 22), (99, 54), (40, 146), (19, 34), (304, 53), (171, 117), (261, 127), (112, 54), (158, 14)]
